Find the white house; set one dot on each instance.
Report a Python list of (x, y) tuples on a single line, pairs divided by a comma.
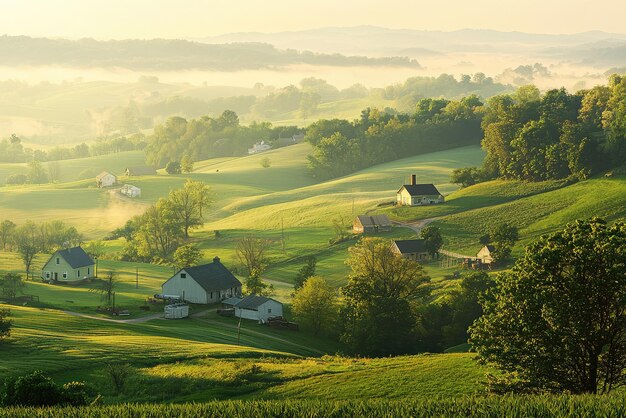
[(209, 283), (485, 255), (68, 265), (130, 190), (258, 308), (105, 179), (418, 194), (259, 147)]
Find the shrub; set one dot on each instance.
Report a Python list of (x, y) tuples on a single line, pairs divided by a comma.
[(118, 374), (16, 179), (173, 167), (35, 389)]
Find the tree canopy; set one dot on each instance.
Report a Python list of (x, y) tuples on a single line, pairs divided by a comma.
[(556, 321)]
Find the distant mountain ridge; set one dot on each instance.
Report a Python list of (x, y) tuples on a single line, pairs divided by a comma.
[(172, 54), (377, 41)]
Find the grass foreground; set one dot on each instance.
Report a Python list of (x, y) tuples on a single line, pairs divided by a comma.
[(520, 406)]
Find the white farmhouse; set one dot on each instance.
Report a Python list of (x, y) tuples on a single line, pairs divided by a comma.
[(418, 194), (206, 284), (105, 179), (130, 190), (259, 147), (258, 308)]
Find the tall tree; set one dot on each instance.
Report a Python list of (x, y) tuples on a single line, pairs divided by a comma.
[(27, 241), (380, 298), (188, 203), (7, 229), (432, 239), (36, 173), (187, 256), (251, 254), (5, 324), (556, 321), (106, 288), (315, 305), (306, 271)]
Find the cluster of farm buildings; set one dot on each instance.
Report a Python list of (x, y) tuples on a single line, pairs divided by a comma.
[(106, 179), (213, 283)]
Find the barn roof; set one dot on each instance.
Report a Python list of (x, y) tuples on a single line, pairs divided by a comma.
[(408, 246), (76, 257), (103, 174), (231, 301), (374, 220), (213, 276), (421, 189), (142, 170), (253, 302)]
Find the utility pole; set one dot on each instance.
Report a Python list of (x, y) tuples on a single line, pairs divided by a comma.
[(282, 231), (238, 330), (136, 277)]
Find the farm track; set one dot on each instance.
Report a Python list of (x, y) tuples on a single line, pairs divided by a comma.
[(416, 225), (118, 321), (202, 316)]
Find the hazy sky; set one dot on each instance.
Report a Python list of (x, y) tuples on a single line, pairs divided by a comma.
[(106, 19)]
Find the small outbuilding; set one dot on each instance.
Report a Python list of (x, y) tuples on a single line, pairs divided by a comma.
[(68, 265), (105, 179), (130, 190), (413, 249), (418, 194), (258, 308), (485, 255), (142, 170), (259, 147), (371, 224), (205, 284)]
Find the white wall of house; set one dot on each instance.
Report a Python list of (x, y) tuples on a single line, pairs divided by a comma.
[(187, 288), (267, 310)]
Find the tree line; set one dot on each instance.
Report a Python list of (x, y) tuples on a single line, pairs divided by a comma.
[(12, 149), (342, 147), (556, 135)]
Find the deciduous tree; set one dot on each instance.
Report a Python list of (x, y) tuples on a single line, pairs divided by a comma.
[(556, 321), (315, 305)]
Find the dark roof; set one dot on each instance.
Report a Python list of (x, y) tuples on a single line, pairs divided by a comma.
[(380, 220), (213, 276), (491, 248), (408, 246), (253, 302), (142, 170), (422, 190), (76, 257)]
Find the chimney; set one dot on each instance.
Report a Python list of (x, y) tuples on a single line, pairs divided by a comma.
[(216, 259), (413, 179)]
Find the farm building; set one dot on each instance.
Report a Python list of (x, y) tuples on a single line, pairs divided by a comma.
[(413, 249), (68, 265), (418, 194), (142, 170), (209, 283), (485, 255), (258, 308), (130, 190), (105, 179), (375, 223), (259, 147)]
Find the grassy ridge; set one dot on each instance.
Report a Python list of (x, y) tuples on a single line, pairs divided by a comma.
[(496, 407)]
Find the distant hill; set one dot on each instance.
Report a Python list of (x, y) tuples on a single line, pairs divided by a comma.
[(171, 54), (377, 41)]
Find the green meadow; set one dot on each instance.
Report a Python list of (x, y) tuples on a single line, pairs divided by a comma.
[(205, 357)]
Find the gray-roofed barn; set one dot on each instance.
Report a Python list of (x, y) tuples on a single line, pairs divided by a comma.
[(371, 223), (142, 170), (205, 284), (413, 249)]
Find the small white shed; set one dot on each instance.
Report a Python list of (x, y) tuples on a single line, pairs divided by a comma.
[(258, 308), (176, 311), (130, 190)]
